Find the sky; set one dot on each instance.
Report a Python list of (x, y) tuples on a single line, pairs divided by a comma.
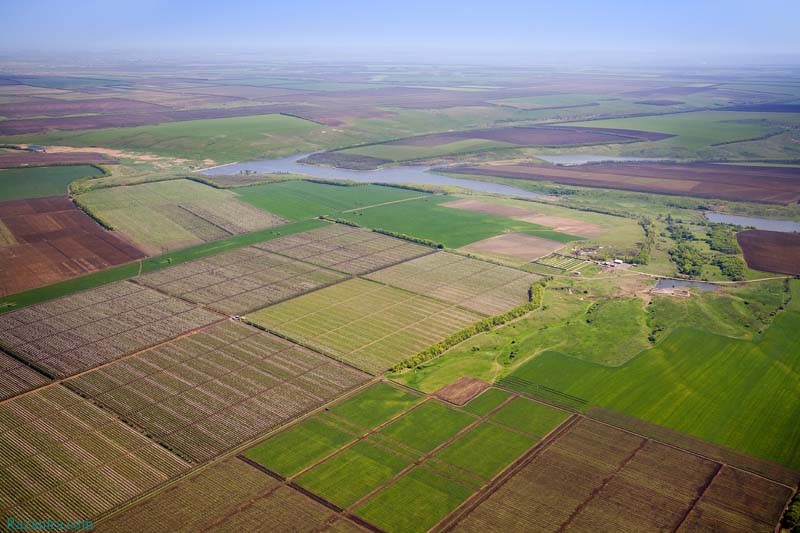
[(590, 28)]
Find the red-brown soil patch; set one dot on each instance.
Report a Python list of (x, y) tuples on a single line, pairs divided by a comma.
[(516, 245), (462, 390), (54, 241), (777, 185), (771, 251), (562, 224), (24, 158), (536, 136)]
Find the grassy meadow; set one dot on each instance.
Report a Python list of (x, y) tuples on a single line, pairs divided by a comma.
[(38, 182)]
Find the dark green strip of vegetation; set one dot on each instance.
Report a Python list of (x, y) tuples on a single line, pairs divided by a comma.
[(122, 272), (535, 297)]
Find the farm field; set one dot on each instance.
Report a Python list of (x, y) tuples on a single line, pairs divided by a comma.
[(749, 384), (241, 280), (17, 377), (773, 185), (228, 495), (298, 200), (168, 215), (90, 328), (699, 129), (427, 454), (64, 457), (476, 285), (529, 214), (46, 240), (519, 246), (478, 140), (24, 158), (204, 393), (345, 248), (366, 324), (771, 251), (594, 476), (38, 182), (428, 219), (231, 138)]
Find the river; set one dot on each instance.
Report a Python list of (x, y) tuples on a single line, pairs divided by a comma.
[(418, 175), (768, 224)]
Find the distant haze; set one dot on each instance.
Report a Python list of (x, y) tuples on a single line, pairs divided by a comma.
[(503, 31)]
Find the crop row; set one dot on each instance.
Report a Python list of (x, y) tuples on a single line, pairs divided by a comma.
[(82, 338), (200, 397), (477, 285), (242, 280), (60, 456), (345, 248), (563, 262), (368, 324)]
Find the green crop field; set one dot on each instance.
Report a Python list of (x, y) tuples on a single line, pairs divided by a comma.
[(398, 152), (415, 502), (736, 393), (369, 325), (428, 426), (221, 140), (375, 405), (454, 228), (169, 215), (470, 451), (702, 128), (37, 182), (300, 446), (352, 474), (533, 418), (486, 401), (298, 200)]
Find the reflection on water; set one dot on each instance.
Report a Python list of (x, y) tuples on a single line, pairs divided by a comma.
[(405, 174), (768, 224), (673, 283)]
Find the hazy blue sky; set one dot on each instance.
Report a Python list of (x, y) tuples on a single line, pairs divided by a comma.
[(674, 27)]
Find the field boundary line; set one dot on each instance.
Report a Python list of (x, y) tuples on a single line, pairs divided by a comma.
[(427, 456), (64, 380), (227, 454), (387, 203), (500, 479), (699, 496), (692, 452), (162, 438), (598, 489)]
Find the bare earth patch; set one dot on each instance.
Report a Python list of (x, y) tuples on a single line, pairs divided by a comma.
[(516, 245), (462, 390), (562, 224)]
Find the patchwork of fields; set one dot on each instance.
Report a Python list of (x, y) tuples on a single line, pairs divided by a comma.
[(741, 393), (168, 215), (63, 457), (229, 496), (202, 394), (595, 477), (241, 280), (90, 328), (387, 449), (45, 240)]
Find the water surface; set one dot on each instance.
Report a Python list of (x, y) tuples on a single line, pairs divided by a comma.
[(418, 175), (673, 283), (769, 224)]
